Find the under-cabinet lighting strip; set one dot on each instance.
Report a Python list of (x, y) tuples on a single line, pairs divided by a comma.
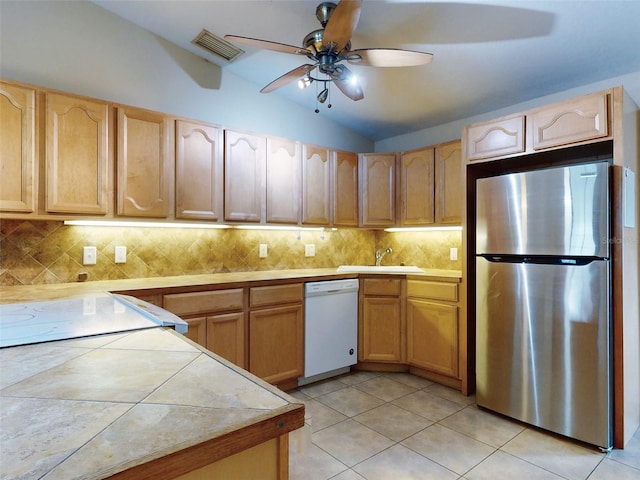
[(121, 223), (109, 223), (423, 229)]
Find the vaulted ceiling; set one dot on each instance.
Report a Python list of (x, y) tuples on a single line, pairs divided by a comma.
[(487, 54)]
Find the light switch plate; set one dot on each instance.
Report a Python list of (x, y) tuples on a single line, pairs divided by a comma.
[(263, 250), (121, 254), (89, 255), (310, 250), (453, 253)]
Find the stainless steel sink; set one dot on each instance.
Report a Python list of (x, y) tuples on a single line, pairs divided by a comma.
[(381, 269)]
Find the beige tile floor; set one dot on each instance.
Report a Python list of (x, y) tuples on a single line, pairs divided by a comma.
[(379, 426)]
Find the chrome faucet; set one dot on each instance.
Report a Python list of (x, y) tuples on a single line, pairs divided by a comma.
[(380, 255)]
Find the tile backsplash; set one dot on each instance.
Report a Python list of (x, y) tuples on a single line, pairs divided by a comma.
[(39, 252)]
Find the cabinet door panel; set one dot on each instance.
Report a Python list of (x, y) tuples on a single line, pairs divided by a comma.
[(449, 189), (225, 336), (76, 155), (199, 179), (432, 336), (381, 338), (144, 163), (417, 187), (495, 138), (571, 121), (316, 186), (283, 181), (377, 181), (17, 149), (345, 189), (244, 176), (276, 343), (197, 330)]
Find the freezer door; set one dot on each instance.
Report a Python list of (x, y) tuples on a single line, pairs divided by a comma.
[(543, 346), (553, 211)]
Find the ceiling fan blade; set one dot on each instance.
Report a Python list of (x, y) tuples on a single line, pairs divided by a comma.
[(268, 45), (387, 57), (346, 82), (341, 25), (288, 77)]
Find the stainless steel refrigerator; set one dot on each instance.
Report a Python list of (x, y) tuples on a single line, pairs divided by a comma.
[(543, 323)]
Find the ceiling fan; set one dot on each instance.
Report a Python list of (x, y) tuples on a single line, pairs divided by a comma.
[(329, 47)]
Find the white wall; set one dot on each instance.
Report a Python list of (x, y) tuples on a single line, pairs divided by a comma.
[(78, 47), (453, 130)]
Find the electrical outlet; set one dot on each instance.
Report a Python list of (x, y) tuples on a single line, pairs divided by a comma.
[(263, 250), (453, 253), (89, 255), (121, 254), (309, 250)]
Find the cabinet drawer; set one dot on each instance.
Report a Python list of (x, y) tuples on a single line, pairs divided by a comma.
[(203, 302), (435, 290), (382, 286), (495, 138), (273, 295), (571, 121)]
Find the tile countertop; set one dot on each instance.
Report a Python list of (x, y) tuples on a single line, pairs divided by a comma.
[(25, 293), (146, 403)]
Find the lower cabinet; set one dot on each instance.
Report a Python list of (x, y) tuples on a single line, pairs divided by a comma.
[(216, 319), (381, 329), (413, 324), (432, 326), (276, 333), (260, 329)]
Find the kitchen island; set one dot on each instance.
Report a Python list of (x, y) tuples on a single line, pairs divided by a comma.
[(147, 404)]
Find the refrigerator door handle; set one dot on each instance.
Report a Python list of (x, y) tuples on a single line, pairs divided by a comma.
[(541, 259)]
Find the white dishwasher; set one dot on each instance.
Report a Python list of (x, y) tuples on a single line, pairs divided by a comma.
[(331, 328)]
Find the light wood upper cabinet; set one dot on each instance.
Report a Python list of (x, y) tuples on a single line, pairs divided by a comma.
[(17, 149), (417, 187), (77, 155), (345, 189), (449, 190), (244, 176), (199, 176), (316, 186), (283, 181), (504, 136), (378, 189), (570, 121), (144, 163)]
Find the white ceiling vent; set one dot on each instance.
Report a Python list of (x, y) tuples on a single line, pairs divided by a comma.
[(216, 45)]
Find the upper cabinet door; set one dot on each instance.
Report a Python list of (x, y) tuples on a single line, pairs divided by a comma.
[(345, 189), (145, 163), (378, 187), (77, 155), (244, 176), (449, 187), (316, 186), (199, 178), (17, 149), (504, 136), (570, 121), (283, 181), (417, 187)]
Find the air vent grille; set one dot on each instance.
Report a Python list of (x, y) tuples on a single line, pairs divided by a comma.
[(216, 45)]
